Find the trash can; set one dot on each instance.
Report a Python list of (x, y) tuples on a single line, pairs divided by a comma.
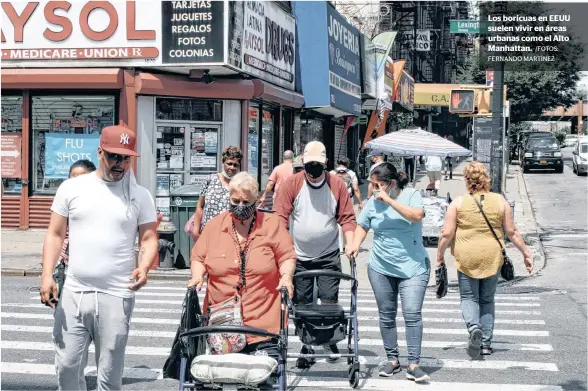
[(182, 206)]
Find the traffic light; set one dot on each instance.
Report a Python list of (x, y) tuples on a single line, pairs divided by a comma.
[(462, 101)]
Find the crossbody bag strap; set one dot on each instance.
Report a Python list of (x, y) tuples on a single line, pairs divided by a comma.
[(488, 222)]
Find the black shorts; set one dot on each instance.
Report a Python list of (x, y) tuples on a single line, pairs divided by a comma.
[(328, 287)]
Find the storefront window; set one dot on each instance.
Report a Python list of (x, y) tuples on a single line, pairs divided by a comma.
[(267, 147), (186, 154), (178, 109), (11, 143), (253, 140), (261, 124), (66, 129)]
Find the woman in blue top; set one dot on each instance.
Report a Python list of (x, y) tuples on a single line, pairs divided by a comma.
[(398, 263)]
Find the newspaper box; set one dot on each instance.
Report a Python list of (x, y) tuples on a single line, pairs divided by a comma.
[(435, 209)]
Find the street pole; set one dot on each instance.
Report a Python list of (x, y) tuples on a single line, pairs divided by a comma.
[(497, 156), (497, 145)]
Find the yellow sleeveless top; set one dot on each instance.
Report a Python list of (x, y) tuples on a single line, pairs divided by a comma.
[(476, 252)]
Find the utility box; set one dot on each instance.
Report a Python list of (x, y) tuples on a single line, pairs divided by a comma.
[(182, 206)]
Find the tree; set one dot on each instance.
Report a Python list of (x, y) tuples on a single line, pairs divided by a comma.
[(364, 15), (535, 87)]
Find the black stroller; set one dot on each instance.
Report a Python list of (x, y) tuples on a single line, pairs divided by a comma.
[(196, 336), (327, 324)]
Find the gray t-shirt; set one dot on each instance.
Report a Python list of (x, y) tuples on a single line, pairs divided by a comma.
[(313, 223), (102, 231)]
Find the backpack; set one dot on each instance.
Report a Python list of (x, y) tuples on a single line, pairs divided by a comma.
[(344, 175)]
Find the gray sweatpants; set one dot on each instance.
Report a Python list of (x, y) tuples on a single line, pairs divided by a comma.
[(81, 318)]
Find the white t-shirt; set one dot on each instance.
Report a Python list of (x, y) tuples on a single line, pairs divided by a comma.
[(102, 231), (433, 163), (350, 172)]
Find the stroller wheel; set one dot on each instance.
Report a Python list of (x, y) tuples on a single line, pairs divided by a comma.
[(353, 377)]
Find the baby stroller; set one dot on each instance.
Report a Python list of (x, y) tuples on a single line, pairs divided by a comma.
[(233, 371), (328, 324)]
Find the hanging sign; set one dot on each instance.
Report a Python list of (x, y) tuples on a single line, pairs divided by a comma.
[(423, 41)]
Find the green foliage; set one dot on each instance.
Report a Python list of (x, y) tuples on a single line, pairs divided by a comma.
[(560, 136), (537, 87)]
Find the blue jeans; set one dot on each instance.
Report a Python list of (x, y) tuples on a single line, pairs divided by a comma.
[(412, 294), (477, 304)]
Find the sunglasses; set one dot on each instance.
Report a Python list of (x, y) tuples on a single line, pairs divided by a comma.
[(230, 164), (117, 157)]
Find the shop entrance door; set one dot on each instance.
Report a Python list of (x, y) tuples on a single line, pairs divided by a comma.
[(186, 154)]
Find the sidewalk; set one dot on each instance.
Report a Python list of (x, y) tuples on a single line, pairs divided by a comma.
[(21, 250)]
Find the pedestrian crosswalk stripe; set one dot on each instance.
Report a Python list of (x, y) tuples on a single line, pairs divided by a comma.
[(375, 309), (426, 362), (375, 384), (440, 302), (135, 310), (295, 340), (342, 294), (46, 329), (443, 301), (464, 331), (537, 322), (297, 381), (21, 315), (176, 322)]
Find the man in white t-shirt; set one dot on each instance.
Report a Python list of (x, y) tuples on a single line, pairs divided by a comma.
[(434, 165), (104, 210)]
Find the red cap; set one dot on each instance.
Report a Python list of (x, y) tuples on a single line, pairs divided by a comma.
[(119, 140)]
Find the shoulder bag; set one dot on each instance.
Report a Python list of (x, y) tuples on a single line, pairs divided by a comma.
[(507, 269), (230, 311)]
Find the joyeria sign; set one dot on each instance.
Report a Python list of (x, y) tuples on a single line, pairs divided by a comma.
[(90, 32)]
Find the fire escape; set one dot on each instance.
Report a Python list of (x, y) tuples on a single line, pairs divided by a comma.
[(447, 50)]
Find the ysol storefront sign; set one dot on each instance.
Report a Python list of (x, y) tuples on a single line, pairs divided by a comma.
[(263, 41), (423, 41), (84, 33), (113, 33)]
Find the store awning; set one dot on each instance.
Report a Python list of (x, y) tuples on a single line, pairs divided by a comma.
[(438, 94), (182, 86), (62, 78), (272, 93)]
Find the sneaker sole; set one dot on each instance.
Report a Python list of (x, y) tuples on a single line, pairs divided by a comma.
[(474, 344), (394, 371), (420, 379)]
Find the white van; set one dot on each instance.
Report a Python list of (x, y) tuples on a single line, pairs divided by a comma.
[(580, 156)]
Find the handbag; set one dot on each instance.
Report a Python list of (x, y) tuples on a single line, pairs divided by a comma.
[(507, 269), (230, 312), (441, 281)]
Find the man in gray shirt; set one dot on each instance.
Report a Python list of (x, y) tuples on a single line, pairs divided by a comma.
[(313, 203)]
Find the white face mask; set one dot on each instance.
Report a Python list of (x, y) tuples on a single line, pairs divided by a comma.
[(226, 175)]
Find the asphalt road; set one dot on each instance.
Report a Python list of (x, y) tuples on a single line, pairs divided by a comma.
[(560, 203)]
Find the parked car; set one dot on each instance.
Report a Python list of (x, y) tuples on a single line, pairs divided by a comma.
[(522, 140), (542, 152), (580, 156), (571, 140)]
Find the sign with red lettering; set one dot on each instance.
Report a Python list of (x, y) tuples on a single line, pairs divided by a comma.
[(11, 151), (81, 33)]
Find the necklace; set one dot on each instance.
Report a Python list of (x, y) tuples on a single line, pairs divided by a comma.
[(242, 250)]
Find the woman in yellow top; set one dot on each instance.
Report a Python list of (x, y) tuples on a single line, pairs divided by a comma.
[(478, 256)]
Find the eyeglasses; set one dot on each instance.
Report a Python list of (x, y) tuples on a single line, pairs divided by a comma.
[(231, 164), (117, 157)]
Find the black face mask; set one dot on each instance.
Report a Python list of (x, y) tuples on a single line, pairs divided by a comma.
[(314, 169), (242, 212)]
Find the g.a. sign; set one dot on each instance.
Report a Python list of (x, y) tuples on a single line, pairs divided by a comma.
[(423, 41)]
